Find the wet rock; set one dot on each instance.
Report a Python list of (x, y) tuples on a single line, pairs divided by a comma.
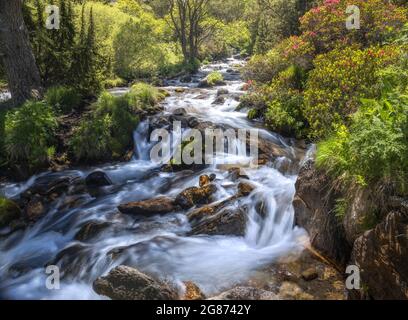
[(204, 84), (201, 97), (192, 292), (246, 293), (35, 209), (314, 211), (230, 221), (245, 189), (180, 90), (192, 122), (9, 212), (160, 205), (73, 260), (194, 196), (219, 100), (381, 255), (50, 184), (237, 173), (186, 79), (222, 92), (310, 274), (91, 230), (204, 180), (180, 112), (98, 178), (125, 283)]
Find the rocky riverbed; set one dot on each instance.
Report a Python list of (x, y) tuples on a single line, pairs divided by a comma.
[(139, 230)]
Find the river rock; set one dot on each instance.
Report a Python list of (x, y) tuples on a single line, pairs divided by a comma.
[(310, 274), (381, 255), (228, 222), (192, 122), (194, 196), (222, 92), (245, 189), (180, 90), (98, 178), (219, 100), (35, 209), (125, 283), (9, 211), (192, 292), (314, 211), (160, 205), (237, 173), (91, 230), (246, 293), (180, 112)]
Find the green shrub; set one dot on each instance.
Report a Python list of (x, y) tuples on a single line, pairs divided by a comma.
[(324, 25), (340, 79), (114, 83), (263, 68), (215, 78), (107, 133), (374, 149), (144, 95), (29, 134), (63, 99)]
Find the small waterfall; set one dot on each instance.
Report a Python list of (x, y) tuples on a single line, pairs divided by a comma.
[(157, 245)]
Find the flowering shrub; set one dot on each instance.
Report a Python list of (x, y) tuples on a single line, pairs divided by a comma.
[(340, 79), (325, 25)]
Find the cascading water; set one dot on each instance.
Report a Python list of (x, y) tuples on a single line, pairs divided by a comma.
[(156, 245)]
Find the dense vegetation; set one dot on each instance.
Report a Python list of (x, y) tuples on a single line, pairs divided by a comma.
[(344, 89), (308, 77)]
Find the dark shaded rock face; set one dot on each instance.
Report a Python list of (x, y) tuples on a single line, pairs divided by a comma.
[(382, 255), (125, 283), (314, 203), (98, 179), (160, 205)]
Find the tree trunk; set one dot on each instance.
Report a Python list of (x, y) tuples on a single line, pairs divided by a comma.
[(15, 50)]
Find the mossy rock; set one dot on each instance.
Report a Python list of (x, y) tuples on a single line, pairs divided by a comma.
[(9, 211)]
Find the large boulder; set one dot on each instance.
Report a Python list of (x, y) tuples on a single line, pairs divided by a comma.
[(160, 205), (98, 178), (9, 211), (382, 255), (125, 283), (314, 204)]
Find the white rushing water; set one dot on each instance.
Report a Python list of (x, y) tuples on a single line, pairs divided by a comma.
[(156, 245)]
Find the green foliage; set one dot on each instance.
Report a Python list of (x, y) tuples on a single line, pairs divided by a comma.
[(340, 79), (253, 114), (215, 78), (375, 147), (9, 211), (263, 68), (29, 134), (62, 99), (143, 95), (107, 133), (324, 25), (340, 208)]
